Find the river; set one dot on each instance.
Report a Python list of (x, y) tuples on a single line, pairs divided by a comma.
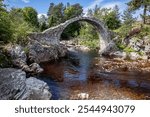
[(71, 76)]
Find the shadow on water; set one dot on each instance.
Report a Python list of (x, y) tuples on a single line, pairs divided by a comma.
[(69, 77)]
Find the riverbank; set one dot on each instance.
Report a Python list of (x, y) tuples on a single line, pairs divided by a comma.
[(82, 71), (120, 65)]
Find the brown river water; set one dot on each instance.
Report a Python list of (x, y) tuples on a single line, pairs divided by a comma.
[(71, 76)]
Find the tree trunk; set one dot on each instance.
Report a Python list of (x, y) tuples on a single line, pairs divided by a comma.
[(144, 14)]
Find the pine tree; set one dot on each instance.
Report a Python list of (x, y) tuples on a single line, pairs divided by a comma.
[(128, 21), (137, 4), (128, 18), (56, 14), (50, 10)]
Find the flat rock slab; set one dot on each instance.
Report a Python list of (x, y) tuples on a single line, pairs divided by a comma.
[(36, 90)]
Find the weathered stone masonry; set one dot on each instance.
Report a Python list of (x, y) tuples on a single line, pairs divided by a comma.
[(52, 35)]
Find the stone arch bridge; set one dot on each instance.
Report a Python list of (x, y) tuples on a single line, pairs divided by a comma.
[(52, 35)]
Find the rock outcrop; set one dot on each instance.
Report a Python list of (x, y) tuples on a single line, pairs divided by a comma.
[(15, 86), (41, 53), (118, 54), (12, 83), (135, 49), (36, 90), (110, 48), (19, 59)]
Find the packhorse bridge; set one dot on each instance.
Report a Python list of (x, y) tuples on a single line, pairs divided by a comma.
[(52, 35)]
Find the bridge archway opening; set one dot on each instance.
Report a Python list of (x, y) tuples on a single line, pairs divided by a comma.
[(101, 29), (81, 33)]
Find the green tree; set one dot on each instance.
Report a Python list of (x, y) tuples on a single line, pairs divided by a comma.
[(43, 22), (112, 19), (50, 10), (128, 22), (30, 16), (96, 10), (5, 24), (137, 4), (20, 27), (56, 15), (128, 19), (89, 13), (72, 11), (88, 36)]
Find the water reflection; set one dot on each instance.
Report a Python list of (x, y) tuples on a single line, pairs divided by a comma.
[(69, 77)]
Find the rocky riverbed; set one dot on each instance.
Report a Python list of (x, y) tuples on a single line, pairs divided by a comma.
[(121, 70), (120, 65)]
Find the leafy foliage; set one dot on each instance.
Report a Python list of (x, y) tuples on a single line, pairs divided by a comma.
[(109, 16), (88, 36), (20, 27), (55, 14), (127, 24), (112, 19), (70, 12), (73, 11), (30, 16), (5, 24)]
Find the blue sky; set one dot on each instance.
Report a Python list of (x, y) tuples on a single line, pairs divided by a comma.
[(42, 5)]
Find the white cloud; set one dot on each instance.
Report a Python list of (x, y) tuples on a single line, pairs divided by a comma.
[(26, 1), (92, 5), (101, 3), (112, 5), (39, 15)]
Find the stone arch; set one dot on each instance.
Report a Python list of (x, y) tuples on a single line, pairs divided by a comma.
[(101, 28), (53, 34)]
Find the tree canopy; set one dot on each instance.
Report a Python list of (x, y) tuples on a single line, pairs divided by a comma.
[(5, 23), (137, 4), (30, 16)]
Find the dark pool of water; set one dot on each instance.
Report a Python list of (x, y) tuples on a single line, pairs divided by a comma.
[(69, 77)]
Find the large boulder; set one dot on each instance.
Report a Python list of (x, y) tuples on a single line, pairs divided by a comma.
[(18, 56), (14, 85), (35, 68), (111, 47), (16, 52), (36, 90), (41, 53), (133, 56), (118, 54)]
